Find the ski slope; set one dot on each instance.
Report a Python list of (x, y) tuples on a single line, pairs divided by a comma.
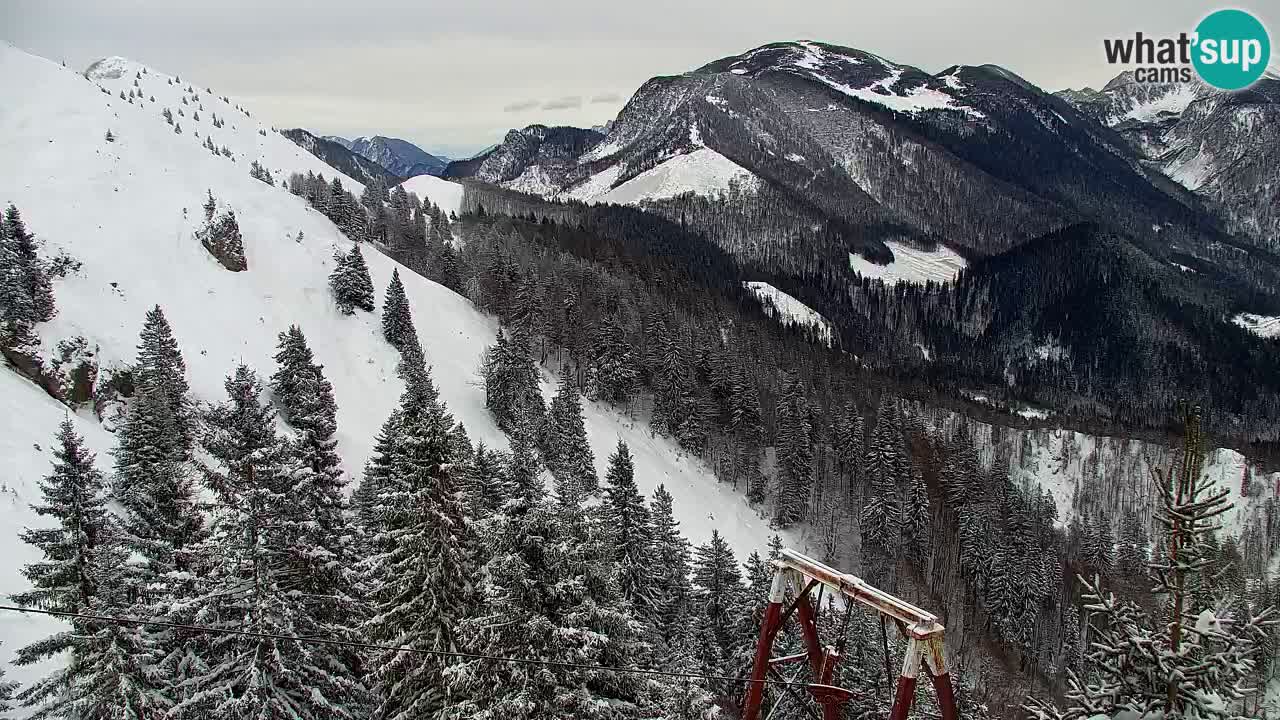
[(789, 310), (911, 265), (128, 210)]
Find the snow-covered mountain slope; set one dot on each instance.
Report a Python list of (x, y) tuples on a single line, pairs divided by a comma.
[(128, 210), (702, 172), (443, 193), (244, 136), (911, 265), (789, 310)]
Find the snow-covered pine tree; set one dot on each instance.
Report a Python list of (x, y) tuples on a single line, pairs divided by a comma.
[(1195, 665), (7, 689), (718, 599), (848, 438), (670, 553), (564, 439), (486, 483), (1131, 556), (419, 574), (397, 322), (257, 171), (160, 366), (612, 375), (511, 382), (16, 313), (916, 519), (524, 482), (154, 484), (1072, 657), (795, 455), (350, 282), (365, 503), (631, 534), (257, 559), (549, 596), (881, 508), (106, 665), (33, 271), (319, 498)]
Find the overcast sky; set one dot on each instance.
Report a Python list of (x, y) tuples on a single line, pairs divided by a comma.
[(454, 76)]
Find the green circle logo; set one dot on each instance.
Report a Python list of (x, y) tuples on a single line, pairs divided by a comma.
[(1231, 49)]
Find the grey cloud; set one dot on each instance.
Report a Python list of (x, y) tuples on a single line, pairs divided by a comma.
[(565, 103), (605, 98), (520, 106)]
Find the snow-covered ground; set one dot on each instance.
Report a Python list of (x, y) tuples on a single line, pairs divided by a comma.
[(702, 172), (444, 193), (1267, 326), (911, 265), (790, 310), (128, 211)]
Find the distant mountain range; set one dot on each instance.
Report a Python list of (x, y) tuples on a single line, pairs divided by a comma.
[(1118, 233), (341, 158), (1223, 146), (400, 157)]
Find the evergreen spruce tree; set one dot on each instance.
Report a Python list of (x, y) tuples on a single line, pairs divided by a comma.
[(486, 483), (916, 519), (397, 323), (627, 519), (257, 558), (17, 315), (350, 282), (564, 447), (35, 273), (1194, 665), (160, 367), (107, 671), (718, 597), (795, 455), (323, 550), (670, 553), (613, 375), (7, 689), (419, 574), (524, 469), (154, 484), (550, 596), (881, 508), (511, 382)]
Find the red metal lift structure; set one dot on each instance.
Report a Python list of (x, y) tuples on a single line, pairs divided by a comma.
[(803, 574)]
